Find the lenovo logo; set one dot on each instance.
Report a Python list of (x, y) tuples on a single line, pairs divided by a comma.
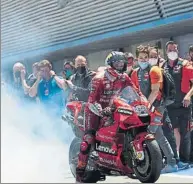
[(105, 149)]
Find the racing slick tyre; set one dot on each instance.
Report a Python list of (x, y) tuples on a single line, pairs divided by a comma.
[(91, 176), (149, 170)]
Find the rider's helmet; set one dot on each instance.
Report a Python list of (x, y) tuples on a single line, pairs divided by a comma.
[(117, 61)]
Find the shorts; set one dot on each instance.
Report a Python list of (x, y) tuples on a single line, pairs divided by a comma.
[(180, 117)]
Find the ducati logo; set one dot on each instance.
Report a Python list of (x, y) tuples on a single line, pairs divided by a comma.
[(107, 161)]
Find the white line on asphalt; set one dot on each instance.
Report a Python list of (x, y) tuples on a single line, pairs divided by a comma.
[(178, 176)]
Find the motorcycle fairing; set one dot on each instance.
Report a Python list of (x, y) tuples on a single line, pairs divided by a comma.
[(125, 114), (115, 164), (140, 138), (76, 108)]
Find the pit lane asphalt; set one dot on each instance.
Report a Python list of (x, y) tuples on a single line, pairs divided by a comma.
[(185, 176)]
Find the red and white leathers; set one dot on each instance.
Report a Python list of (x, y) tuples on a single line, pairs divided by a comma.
[(105, 85)]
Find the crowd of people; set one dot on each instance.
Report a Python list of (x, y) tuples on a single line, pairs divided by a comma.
[(146, 73)]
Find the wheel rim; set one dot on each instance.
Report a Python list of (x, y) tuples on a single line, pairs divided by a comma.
[(144, 166)]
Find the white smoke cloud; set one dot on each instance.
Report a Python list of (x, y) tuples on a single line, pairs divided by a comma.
[(34, 147)]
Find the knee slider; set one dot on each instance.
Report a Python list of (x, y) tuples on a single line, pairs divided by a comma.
[(85, 147)]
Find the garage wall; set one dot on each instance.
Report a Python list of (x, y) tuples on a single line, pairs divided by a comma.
[(97, 59), (184, 42), (32, 25), (151, 43), (58, 66)]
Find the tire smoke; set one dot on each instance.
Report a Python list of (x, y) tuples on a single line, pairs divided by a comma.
[(34, 145)]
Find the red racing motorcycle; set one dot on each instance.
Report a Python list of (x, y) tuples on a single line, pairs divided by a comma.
[(123, 145)]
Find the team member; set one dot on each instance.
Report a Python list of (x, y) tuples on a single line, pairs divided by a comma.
[(68, 70), (180, 110), (130, 63), (49, 88), (149, 78), (80, 81), (191, 150)]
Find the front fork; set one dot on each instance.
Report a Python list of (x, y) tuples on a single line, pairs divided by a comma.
[(134, 151), (138, 144)]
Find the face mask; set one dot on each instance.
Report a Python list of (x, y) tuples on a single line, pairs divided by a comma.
[(153, 61), (143, 65), (173, 56), (68, 73), (81, 69)]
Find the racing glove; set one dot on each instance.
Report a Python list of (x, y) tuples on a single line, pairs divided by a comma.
[(107, 111)]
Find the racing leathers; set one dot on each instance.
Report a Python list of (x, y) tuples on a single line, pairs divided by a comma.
[(104, 87)]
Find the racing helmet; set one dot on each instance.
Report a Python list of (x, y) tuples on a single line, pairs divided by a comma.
[(117, 57)]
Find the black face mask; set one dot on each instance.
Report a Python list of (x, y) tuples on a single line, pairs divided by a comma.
[(81, 70)]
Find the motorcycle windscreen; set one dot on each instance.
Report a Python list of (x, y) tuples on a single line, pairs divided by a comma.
[(128, 106), (130, 96), (130, 99)]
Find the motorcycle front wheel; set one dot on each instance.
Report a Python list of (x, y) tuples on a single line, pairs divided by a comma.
[(91, 176), (149, 170)]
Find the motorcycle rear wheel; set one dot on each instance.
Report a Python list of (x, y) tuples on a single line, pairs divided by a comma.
[(149, 170), (91, 176)]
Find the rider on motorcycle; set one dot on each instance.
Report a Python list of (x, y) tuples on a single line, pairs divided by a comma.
[(105, 85)]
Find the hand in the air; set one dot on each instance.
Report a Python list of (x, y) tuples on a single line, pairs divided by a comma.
[(52, 73)]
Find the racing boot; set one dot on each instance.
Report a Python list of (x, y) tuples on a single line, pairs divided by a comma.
[(80, 171), (80, 174), (82, 161)]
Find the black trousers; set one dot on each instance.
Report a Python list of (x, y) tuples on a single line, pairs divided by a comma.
[(169, 134), (180, 118), (191, 150)]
